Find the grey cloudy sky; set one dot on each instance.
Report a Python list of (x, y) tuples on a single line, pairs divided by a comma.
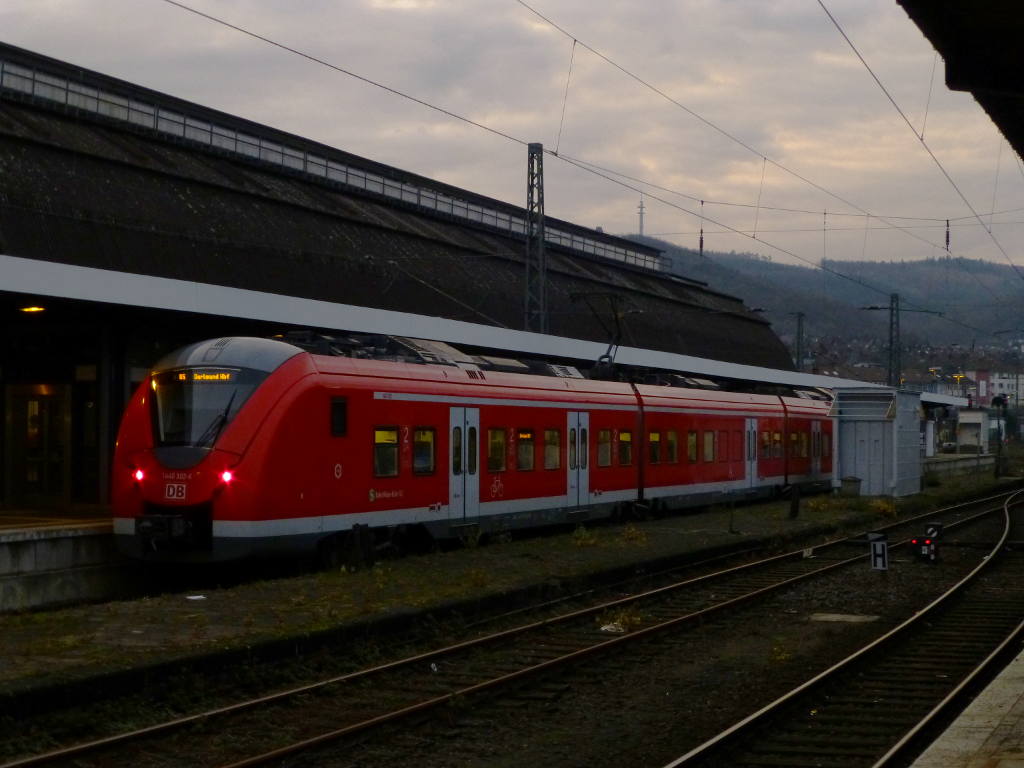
[(775, 74)]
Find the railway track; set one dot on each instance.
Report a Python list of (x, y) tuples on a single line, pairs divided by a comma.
[(354, 704), (875, 707)]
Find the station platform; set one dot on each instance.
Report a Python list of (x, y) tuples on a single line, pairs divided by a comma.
[(52, 558), (990, 732), (31, 519)]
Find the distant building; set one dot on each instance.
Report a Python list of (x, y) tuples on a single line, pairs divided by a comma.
[(994, 383)]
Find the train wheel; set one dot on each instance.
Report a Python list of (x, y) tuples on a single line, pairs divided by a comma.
[(330, 555), (411, 539)]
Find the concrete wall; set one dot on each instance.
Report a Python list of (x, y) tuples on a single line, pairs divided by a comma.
[(55, 566), (948, 465)]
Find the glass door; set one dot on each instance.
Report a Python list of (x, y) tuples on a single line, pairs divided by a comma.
[(38, 462)]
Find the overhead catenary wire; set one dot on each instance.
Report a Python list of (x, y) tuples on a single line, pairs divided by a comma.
[(760, 189), (342, 70), (483, 126), (928, 101), (834, 228), (715, 127), (580, 164), (731, 136), (822, 266), (565, 97), (924, 144), (995, 184), (604, 171)]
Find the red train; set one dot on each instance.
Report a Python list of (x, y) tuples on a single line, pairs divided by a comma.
[(244, 446)]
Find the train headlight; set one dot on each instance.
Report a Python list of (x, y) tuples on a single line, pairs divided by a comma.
[(227, 476), (138, 474)]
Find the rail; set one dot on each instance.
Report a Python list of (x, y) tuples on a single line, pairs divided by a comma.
[(538, 656)]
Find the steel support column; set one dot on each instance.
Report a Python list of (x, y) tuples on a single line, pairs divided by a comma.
[(895, 364), (535, 303)]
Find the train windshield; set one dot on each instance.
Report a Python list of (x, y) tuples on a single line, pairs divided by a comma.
[(191, 406)]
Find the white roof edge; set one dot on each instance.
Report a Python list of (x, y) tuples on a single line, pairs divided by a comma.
[(47, 278), (937, 399)]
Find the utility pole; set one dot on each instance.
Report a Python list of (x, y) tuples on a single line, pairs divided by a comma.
[(894, 373), (800, 341), (535, 308), (895, 367)]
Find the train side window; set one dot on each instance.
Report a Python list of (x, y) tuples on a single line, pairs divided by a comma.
[(804, 441), (496, 450), (584, 448), (776, 445), (672, 447), (572, 448), (339, 416), (654, 446), (625, 447), (471, 450), (385, 452), (826, 444), (552, 449), (691, 446), (709, 446), (723, 446), (423, 453), (794, 449), (604, 447), (524, 450), (766, 445), (737, 446), (457, 451)]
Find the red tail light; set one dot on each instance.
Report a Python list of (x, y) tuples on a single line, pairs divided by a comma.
[(138, 474), (227, 476)]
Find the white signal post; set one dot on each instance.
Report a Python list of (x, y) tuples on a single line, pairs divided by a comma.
[(879, 551)]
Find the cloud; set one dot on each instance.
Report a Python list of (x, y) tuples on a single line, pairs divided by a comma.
[(775, 79)]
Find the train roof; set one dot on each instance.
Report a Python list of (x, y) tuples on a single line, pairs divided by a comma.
[(243, 352)]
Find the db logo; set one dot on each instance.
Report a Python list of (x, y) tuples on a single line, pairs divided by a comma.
[(175, 491)]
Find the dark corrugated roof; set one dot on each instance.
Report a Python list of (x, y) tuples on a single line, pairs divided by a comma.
[(79, 191)]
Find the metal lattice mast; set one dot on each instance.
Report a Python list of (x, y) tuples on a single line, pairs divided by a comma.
[(800, 341), (895, 364), (535, 303)]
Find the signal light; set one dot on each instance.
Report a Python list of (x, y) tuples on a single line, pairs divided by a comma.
[(138, 474), (227, 476), (913, 541)]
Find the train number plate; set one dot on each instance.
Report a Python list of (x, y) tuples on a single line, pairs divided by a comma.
[(174, 491)]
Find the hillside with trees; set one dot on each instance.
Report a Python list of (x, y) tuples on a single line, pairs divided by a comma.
[(976, 300)]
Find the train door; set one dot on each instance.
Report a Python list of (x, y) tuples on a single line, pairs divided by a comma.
[(578, 466), (751, 453), (816, 448), (463, 468)]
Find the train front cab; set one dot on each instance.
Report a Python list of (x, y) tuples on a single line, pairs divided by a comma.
[(179, 465)]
